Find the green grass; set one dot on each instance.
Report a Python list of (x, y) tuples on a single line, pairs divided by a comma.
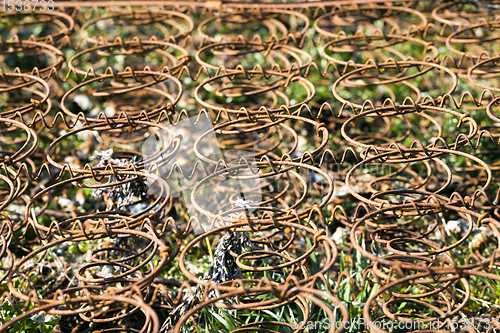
[(353, 290)]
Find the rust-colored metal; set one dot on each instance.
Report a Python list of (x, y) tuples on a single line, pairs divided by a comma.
[(328, 116)]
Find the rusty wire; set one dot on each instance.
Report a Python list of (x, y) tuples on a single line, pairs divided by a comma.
[(275, 130)]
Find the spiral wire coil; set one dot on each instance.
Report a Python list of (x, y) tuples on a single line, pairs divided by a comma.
[(275, 140)]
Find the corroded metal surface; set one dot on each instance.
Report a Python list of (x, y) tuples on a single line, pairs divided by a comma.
[(277, 127)]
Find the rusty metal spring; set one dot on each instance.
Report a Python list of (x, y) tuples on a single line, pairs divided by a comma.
[(279, 140)]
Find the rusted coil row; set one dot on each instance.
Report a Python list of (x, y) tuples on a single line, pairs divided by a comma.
[(137, 143)]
